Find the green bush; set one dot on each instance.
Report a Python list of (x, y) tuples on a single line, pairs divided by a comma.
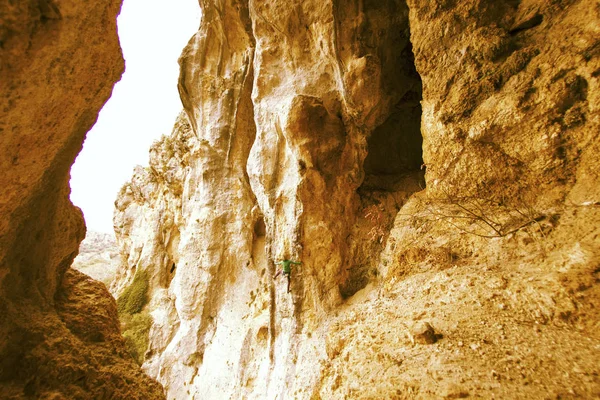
[(136, 332), (135, 296)]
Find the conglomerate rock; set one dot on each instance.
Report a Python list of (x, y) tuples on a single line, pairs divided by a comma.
[(59, 61)]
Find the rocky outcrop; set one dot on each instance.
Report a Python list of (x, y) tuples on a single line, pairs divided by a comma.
[(59, 62), (310, 132), (514, 73)]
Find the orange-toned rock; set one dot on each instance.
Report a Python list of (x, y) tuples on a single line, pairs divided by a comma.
[(59, 61)]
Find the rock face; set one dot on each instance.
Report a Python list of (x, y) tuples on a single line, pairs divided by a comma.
[(59, 62), (306, 131)]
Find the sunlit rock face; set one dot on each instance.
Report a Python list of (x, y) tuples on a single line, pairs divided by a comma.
[(59, 336), (307, 134), (509, 105)]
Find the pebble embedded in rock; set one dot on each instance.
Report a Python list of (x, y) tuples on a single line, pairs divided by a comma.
[(423, 333)]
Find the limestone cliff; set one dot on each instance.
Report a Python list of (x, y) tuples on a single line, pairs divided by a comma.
[(59, 333), (434, 167)]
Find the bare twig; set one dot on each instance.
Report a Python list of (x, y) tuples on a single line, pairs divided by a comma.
[(484, 214)]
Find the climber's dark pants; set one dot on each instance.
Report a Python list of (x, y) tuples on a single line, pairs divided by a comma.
[(286, 274)]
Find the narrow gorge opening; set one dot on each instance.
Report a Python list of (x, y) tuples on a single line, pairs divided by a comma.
[(122, 153), (141, 109)]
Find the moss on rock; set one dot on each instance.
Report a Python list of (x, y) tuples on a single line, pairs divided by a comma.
[(135, 296), (135, 322), (136, 334)]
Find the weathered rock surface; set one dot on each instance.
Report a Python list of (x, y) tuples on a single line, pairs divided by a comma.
[(59, 337), (302, 137), (306, 131)]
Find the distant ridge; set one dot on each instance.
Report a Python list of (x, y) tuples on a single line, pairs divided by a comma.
[(98, 256)]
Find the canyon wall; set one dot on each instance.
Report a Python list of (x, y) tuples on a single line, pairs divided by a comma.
[(59, 331), (434, 168)]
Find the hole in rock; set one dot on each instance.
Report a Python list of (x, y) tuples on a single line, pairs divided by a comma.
[(263, 334), (259, 255), (393, 166), (172, 255), (395, 147), (260, 229), (169, 275)]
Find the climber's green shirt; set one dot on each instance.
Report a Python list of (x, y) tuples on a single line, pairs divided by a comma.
[(286, 265)]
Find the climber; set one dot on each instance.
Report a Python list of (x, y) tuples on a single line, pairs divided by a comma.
[(287, 270)]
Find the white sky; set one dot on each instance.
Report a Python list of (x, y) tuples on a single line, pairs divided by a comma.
[(143, 106)]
